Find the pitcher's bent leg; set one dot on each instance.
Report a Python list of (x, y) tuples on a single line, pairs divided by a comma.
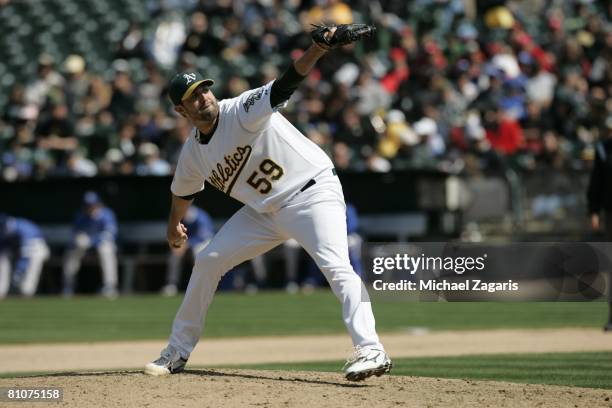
[(244, 236)]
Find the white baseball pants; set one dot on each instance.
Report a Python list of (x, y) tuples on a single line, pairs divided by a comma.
[(5, 274), (37, 252), (173, 272), (107, 253), (316, 218)]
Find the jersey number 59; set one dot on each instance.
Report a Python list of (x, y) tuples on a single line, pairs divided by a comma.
[(271, 172)]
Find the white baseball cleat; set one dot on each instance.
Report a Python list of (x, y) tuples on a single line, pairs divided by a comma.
[(170, 362), (366, 362)]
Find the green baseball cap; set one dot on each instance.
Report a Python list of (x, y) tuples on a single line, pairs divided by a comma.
[(183, 84)]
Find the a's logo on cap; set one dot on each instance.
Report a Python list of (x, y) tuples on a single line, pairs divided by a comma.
[(189, 78)]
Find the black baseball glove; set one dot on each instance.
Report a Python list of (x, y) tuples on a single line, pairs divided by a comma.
[(345, 34)]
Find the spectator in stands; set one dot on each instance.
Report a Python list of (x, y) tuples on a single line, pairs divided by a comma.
[(111, 163), (18, 110), (16, 162), (169, 35), (77, 165), (398, 139), (77, 82), (55, 135), (23, 251), (430, 144), (179, 134), (126, 142), (200, 230), (552, 154), (503, 132), (47, 77), (355, 130), (371, 96), (132, 44), (124, 95), (540, 85), (343, 156), (149, 92), (332, 11), (98, 96), (200, 40), (94, 227), (151, 164), (546, 74)]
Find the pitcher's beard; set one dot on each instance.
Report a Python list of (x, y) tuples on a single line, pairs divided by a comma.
[(209, 114)]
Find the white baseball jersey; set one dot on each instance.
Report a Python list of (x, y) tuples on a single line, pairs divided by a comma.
[(255, 155)]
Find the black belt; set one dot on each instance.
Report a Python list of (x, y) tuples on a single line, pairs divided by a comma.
[(312, 182)]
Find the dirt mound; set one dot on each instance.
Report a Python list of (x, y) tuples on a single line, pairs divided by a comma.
[(250, 388), (291, 349)]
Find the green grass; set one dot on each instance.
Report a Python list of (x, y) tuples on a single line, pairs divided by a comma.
[(53, 319), (592, 370)]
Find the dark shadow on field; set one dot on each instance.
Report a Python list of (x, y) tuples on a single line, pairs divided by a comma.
[(74, 374), (200, 373)]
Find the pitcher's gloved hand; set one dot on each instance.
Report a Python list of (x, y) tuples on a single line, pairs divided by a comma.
[(342, 35)]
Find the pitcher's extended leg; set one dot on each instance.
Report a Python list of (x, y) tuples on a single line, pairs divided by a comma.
[(318, 222)]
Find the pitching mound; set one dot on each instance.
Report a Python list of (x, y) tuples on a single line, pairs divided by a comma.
[(250, 388), (221, 352)]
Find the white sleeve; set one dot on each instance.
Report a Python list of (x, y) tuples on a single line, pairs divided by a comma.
[(254, 108), (188, 179)]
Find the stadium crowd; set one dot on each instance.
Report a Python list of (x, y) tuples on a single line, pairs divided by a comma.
[(450, 85)]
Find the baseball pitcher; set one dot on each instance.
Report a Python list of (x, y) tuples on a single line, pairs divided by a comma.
[(248, 150)]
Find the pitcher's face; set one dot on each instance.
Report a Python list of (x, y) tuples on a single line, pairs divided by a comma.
[(200, 106)]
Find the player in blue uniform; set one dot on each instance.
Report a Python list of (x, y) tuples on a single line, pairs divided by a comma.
[(95, 226), (354, 239), (22, 241), (200, 228)]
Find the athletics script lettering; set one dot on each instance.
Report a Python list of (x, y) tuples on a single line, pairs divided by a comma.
[(226, 172)]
